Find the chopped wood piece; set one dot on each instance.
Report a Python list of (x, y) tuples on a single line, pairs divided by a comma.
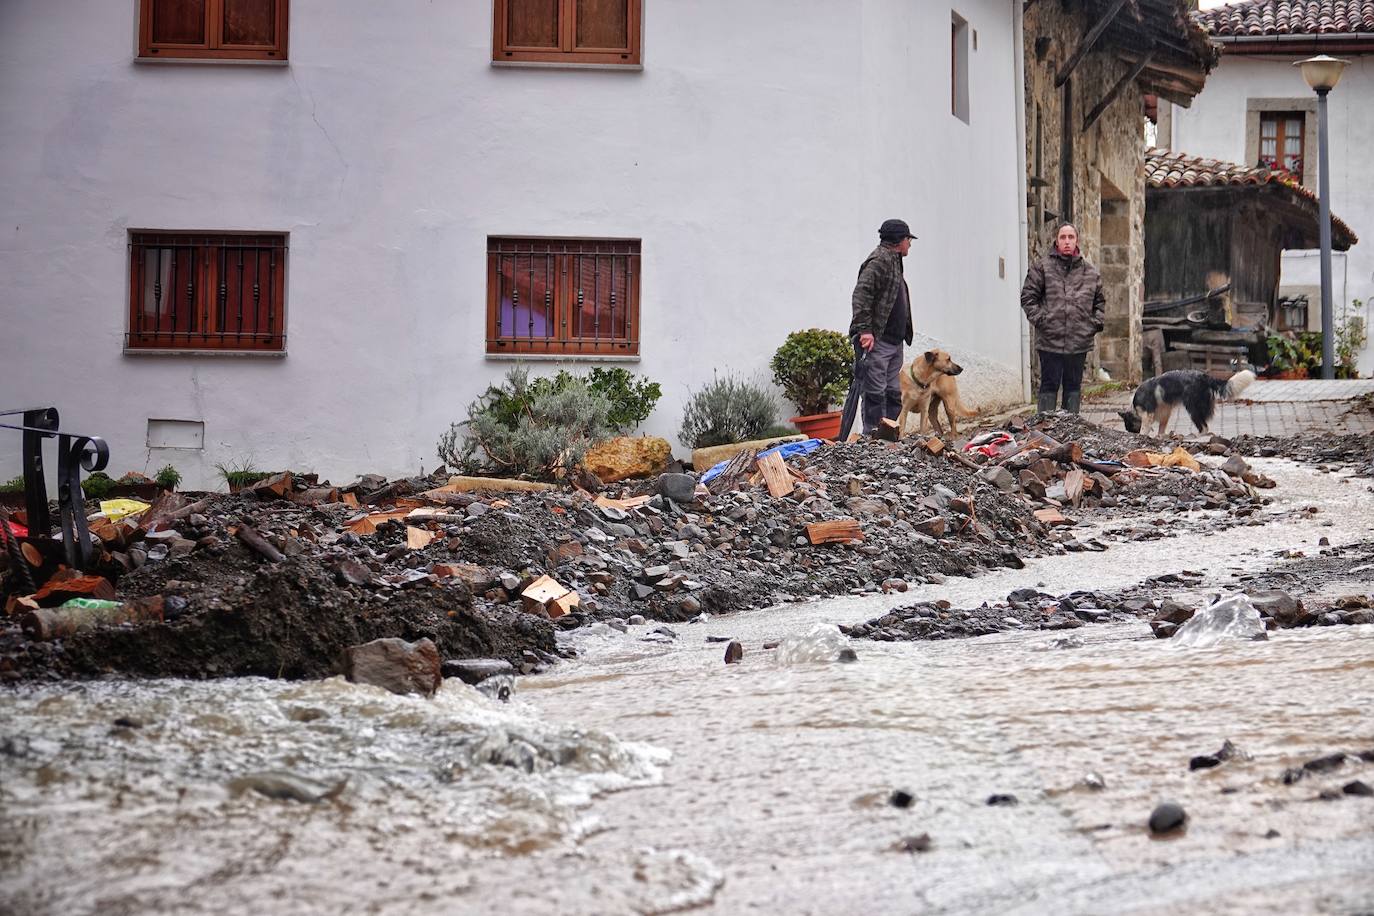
[(840, 530), (1073, 485), (626, 504), (550, 596), (887, 430), (31, 555), (368, 523), (730, 475), (350, 500), (774, 470), (1052, 517), (57, 591), (316, 496), (563, 605), (278, 486), (933, 444), (258, 543), (418, 538), (1069, 453)]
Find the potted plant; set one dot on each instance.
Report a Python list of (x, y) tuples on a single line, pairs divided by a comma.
[(813, 369), (1289, 357)]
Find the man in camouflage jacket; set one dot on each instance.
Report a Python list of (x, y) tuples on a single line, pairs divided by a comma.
[(881, 323)]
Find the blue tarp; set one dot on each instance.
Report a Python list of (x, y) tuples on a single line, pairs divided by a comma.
[(786, 450)]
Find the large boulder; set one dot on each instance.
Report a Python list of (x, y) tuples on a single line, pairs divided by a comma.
[(625, 457), (396, 665)]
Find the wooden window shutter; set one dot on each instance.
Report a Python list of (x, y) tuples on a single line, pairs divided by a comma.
[(567, 31), (532, 24), (213, 29), (250, 24), (601, 25), (176, 23)]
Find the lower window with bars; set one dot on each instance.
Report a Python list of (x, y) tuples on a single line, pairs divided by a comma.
[(563, 296), (206, 291)]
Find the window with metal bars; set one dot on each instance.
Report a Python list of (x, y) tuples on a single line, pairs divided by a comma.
[(563, 296), (212, 29), (604, 32), (202, 291)]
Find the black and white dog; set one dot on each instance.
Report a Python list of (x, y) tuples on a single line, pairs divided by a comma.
[(1198, 392)]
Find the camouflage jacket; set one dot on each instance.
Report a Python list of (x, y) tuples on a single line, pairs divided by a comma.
[(1062, 298), (877, 292)]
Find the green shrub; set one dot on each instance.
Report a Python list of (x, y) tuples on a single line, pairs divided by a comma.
[(632, 397), (533, 427), (241, 473), (168, 478), (813, 369), (778, 430), (97, 486), (727, 410), (13, 485)]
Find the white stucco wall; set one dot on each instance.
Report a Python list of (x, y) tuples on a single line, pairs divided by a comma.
[(754, 155), (1215, 126)]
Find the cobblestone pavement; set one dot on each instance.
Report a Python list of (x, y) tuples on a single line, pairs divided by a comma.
[(1271, 409)]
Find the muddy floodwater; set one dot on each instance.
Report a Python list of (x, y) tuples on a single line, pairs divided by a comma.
[(648, 777)]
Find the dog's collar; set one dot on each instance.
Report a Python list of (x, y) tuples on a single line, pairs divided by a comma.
[(912, 372)]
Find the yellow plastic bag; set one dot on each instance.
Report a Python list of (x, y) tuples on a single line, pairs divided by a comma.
[(115, 509)]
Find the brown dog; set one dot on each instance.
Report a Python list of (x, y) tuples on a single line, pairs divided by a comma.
[(926, 384)]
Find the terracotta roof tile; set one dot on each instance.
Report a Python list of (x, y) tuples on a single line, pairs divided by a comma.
[(1258, 18), (1169, 169)]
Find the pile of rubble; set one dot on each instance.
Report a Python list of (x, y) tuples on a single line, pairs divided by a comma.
[(1032, 609), (281, 579)]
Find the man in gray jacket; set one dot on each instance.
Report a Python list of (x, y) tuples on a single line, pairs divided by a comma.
[(882, 323)]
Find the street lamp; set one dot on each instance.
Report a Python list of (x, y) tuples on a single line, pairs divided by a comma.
[(1322, 74)]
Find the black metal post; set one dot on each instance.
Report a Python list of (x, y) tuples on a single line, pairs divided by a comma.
[(1324, 215)]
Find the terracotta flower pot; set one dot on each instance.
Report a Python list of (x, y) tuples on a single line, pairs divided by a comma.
[(1299, 372), (818, 425)]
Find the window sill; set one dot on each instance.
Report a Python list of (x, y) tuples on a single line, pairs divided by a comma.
[(561, 358), (214, 61), (561, 65), (173, 351)]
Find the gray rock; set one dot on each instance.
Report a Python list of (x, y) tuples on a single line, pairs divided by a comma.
[(999, 477), (654, 573), (477, 510), (635, 620), (354, 572), (285, 786), (1278, 604), (680, 488), (475, 670), (1167, 817), (396, 665)]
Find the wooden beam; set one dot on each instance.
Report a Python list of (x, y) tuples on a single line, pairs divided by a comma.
[(1088, 41), (1117, 89)]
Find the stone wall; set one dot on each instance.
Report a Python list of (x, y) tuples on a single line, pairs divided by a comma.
[(1108, 174)]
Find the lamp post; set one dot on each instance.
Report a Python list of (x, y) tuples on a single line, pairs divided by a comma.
[(1322, 73)]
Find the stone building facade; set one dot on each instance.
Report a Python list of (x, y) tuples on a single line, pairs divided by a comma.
[(1086, 84)]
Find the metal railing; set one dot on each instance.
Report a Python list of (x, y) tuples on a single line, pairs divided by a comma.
[(75, 452)]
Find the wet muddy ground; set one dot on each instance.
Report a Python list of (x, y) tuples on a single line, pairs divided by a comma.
[(646, 776)]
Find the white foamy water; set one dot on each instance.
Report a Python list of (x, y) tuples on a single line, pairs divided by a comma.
[(651, 778)]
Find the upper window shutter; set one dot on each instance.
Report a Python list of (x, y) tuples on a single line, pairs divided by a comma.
[(177, 23), (532, 24), (602, 25), (249, 24)]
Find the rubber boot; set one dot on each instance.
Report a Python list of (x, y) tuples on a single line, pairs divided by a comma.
[(1071, 401), (1046, 402)]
